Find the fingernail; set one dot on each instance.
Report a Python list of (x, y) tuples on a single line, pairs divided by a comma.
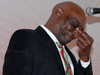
[(77, 28)]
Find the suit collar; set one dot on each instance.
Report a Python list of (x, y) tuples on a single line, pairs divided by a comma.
[(42, 33), (51, 47), (53, 37)]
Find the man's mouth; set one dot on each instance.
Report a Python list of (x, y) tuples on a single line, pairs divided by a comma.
[(69, 39)]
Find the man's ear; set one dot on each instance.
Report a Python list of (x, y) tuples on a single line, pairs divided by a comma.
[(59, 13)]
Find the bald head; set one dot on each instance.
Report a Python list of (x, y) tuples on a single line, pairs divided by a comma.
[(66, 4), (71, 10)]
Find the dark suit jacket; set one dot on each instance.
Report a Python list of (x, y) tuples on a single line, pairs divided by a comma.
[(32, 52)]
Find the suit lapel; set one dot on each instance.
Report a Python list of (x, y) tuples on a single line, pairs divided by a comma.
[(51, 47), (55, 54)]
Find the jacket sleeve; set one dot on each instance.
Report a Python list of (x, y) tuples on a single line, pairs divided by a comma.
[(86, 71), (17, 61)]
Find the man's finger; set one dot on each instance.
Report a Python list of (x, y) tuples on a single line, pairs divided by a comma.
[(79, 31)]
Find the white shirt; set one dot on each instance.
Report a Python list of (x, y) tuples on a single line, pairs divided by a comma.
[(84, 64)]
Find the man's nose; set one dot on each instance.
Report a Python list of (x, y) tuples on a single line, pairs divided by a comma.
[(75, 32)]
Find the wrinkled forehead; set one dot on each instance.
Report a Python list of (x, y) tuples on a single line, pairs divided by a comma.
[(75, 12)]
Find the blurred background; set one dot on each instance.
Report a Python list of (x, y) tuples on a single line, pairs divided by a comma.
[(28, 14)]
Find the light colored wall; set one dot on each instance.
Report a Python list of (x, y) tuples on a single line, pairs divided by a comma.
[(18, 14)]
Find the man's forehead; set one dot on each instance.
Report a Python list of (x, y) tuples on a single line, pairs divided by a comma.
[(80, 19)]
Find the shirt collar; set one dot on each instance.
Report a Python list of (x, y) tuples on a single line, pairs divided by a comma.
[(52, 36)]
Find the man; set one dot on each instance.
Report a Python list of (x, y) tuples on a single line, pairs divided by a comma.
[(35, 52)]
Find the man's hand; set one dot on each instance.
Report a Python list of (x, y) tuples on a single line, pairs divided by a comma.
[(84, 43)]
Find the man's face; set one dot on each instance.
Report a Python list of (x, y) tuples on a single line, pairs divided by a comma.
[(67, 29)]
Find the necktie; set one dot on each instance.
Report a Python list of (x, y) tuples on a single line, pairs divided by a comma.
[(64, 56)]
